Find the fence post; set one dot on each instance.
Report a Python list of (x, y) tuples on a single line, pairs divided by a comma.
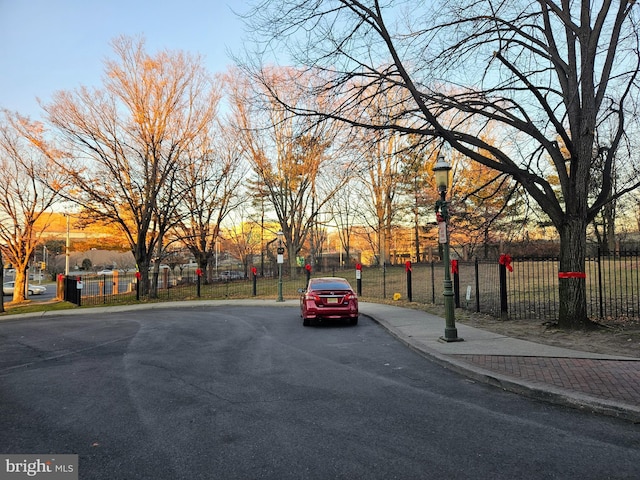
[(505, 263), (198, 277), (477, 270), (79, 291), (102, 285), (60, 287), (138, 277), (456, 282), (601, 300), (254, 271), (359, 279), (503, 292), (407, 268)]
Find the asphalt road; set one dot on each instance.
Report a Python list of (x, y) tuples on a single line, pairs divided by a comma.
[(249, 393)]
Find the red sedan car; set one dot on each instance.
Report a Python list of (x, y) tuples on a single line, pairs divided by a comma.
[(328, 298)]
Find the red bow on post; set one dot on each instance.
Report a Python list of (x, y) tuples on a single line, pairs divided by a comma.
[(307, 267), (407, 266), (439, 217), (199, 272), (505, 260), (454, 266)]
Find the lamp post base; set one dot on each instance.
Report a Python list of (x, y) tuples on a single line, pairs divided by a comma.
[(450, 335), (450, 339)]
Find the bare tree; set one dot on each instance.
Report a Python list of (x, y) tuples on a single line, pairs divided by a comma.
[(130, 140), (25, 201), (214, 176), (381, 178), (342, 208), (418, 191), (550, 76), (296, 161), (244, 238)]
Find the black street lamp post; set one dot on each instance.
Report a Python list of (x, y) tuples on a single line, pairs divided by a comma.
[(441, 171)]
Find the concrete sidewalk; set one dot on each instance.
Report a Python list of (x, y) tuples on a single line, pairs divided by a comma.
[(605, 384)]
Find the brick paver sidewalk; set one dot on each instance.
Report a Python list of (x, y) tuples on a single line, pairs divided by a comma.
[(611, 379)]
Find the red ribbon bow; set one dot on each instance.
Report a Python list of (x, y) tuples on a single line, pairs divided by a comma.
[(199, 272), (505, 260), (572, 275), (439, 217), (407, 266), (454, 266), (307, 267)]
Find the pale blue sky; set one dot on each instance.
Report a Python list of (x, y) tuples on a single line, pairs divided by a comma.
[(50, 45)]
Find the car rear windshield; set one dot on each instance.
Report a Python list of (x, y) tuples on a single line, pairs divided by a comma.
[(330, 285)]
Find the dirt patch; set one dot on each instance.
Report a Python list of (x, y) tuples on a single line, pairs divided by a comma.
[(612, 336)]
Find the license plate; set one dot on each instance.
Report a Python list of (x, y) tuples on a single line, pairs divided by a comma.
[(332, 300)]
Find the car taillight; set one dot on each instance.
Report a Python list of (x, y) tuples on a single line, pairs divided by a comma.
[(311, 296), (349, 296)]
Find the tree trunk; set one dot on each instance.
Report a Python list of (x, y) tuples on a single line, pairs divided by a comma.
[(21, 279), (155, 275), (142, 262), (572, 290)]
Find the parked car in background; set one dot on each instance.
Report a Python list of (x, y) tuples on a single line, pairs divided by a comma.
[(9, 287), (231, 275), (328, 298)]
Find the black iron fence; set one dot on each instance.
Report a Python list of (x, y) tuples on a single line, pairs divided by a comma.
[(520, 289)]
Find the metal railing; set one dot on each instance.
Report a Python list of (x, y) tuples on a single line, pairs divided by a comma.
[(529, 291)]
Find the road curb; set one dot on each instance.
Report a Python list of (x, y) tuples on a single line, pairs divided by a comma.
[(537, 391)]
